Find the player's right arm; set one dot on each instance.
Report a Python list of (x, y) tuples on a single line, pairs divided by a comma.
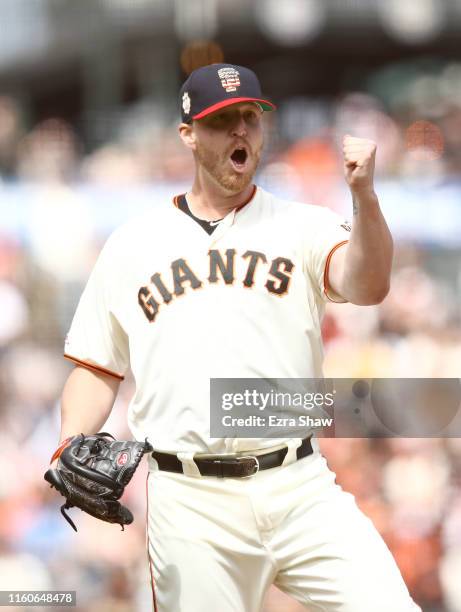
[(87, 401), (98, 345)]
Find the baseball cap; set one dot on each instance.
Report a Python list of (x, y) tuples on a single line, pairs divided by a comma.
[(216, 86)]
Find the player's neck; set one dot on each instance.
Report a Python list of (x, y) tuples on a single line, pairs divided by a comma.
[(211, 202)]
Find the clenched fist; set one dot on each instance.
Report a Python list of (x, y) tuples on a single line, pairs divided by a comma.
[(359, 163)]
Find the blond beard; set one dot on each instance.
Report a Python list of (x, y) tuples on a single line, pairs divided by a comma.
[(226, 178)]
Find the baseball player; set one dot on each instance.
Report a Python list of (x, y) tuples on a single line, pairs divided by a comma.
[(228, 281)]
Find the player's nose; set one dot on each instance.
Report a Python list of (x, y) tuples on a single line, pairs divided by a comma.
[(239, 127)]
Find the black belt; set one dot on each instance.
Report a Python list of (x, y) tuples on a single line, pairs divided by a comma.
[(233, 467)]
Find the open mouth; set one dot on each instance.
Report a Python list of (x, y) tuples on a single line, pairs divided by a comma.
[(239, 158)]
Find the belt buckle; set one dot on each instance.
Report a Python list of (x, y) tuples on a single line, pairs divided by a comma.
[(244, 463)]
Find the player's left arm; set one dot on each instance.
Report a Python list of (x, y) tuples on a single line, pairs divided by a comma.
[(360, 271)]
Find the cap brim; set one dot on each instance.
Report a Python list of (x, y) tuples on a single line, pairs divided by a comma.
[(265, 105)]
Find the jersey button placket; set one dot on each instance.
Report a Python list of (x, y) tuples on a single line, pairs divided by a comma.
[(222, 228)]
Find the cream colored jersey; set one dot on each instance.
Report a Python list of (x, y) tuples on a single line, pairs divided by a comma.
[(179, 306)]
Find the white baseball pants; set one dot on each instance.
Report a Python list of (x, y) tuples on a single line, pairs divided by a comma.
[(218, 544)]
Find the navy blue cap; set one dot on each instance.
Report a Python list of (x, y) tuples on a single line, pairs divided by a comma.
[(216, 86)]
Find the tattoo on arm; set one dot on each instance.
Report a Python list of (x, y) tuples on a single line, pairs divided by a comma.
[(355, 207)]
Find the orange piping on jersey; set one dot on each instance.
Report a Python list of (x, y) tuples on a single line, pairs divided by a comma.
[(326, 285), (176, 199), (92, 366), (152, 582)]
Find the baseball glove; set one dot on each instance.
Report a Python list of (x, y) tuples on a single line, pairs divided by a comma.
[(92, 473)]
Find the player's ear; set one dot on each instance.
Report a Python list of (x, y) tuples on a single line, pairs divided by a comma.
[(187, 135)]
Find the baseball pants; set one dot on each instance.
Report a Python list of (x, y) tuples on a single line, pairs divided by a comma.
[(218, 544)]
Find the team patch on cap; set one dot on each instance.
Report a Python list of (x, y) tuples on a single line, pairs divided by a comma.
[(214, 86), (230, 78), (186, 103)]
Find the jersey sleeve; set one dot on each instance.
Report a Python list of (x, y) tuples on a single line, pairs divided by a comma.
[(96, 339), (328, 232)]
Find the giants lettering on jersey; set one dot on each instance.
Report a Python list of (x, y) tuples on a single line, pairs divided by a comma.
[(221, 269)]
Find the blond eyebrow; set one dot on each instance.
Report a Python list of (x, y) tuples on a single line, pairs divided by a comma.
[(252, 106)]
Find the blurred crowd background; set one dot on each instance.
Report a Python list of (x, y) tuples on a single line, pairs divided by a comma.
[(88, 138)]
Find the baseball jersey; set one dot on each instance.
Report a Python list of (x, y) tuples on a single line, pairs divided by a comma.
[(179, 306)]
